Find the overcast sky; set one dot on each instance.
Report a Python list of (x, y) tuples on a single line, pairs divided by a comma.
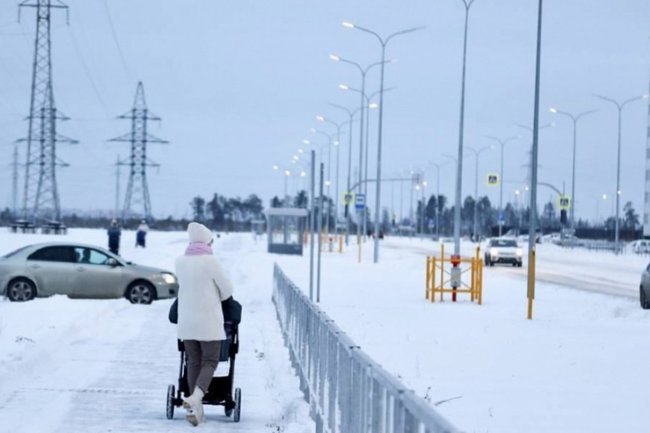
[(238, 85)]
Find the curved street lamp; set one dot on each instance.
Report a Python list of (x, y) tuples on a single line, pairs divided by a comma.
[(363, 162), (574, 119), (502, 143), (351, 114), (383, 42), (437, 167), (338, 127), (363, 71), (477, 153), (286, 173), (533, 160), (619, 106), (328, 182)]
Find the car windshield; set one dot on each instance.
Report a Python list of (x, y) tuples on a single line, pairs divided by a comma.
[(13, 253), (503, 243)]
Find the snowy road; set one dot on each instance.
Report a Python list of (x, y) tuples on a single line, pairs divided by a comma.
[(579, 269)]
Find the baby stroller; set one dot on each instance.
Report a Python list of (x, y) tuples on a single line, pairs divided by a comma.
[(221, 391)]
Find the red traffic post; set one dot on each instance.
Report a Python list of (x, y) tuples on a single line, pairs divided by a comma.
[(455, 275)]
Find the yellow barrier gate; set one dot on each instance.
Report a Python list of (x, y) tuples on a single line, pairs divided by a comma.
[(440, 278), (335, 241)]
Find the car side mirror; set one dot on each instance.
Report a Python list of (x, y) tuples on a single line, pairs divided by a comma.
[(111, 262)]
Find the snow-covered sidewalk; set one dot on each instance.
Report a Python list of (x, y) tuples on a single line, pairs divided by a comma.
[(96, 366)]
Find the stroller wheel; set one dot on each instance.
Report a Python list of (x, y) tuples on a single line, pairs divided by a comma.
[(228, 411), (237, 405), (171, 390)]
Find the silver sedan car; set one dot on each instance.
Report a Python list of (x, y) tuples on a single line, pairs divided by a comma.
[(80, 271)]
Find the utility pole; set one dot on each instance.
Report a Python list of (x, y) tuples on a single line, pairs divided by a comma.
[(14, 184), (137, 190), (40, 194), (646, 201)]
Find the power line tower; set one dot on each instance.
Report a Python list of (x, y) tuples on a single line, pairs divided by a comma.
[(41, 195), (137, 191)]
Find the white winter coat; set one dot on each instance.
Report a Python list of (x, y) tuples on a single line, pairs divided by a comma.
[(203, 284)]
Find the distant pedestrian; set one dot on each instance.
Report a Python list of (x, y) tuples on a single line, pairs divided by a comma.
[(114, 234), (141, 234)]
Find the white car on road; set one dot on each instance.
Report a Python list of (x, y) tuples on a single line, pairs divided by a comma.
[(503, 250)]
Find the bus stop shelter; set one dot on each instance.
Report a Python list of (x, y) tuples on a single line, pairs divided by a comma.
[(285, 226)]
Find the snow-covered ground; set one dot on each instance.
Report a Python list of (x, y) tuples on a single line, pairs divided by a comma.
[(581, 365), (104, 365)]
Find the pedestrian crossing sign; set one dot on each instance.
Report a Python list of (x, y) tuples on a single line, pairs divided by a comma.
[(493, 179), (564, 202)]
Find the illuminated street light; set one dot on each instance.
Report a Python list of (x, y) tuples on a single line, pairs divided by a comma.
[(383, 42), (619, 107), (574, 119)]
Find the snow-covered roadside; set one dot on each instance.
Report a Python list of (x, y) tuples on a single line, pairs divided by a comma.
[(578, 366)]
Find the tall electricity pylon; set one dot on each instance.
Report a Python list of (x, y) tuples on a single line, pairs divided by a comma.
[(137, 191), (41, 195)]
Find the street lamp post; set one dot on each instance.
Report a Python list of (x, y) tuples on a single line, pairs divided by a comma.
[(420, 187), (477, 153), (619, 107), (328, 182), (362, 105), (363, 172), (533, 182), (437, 166), (300, 170), (459, 160), (534, 132), (285, 174), (502, 143), (455, 160), (598, 199), (574, 119), (337, 143), (383, 42), (351, 114)]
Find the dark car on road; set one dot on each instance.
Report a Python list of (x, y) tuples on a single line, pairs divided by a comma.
[(80, 271)]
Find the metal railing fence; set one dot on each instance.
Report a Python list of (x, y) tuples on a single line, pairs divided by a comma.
[(347, 391)]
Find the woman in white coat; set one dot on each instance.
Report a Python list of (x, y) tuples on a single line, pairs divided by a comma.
[(203, 285)]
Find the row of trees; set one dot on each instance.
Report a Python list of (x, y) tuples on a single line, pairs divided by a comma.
[(433, 215), (435, 211), (228, 214)]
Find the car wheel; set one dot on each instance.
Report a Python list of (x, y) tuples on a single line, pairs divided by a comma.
[(20, 290), (645, 302), (140, 292), (519, 264)]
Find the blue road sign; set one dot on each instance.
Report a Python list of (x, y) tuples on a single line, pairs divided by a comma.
[(360, 201)]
